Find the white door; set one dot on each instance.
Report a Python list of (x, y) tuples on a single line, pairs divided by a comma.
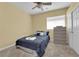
[(75, 34)]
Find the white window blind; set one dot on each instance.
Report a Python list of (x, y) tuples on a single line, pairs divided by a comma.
[(55, 21)]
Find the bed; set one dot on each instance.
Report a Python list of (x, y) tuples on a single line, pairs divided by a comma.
[(38, 44)]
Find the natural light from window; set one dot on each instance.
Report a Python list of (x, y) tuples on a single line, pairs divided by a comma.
[(55, 21)]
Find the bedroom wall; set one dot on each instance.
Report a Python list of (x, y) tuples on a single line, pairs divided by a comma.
[(14, 23), (39, 20)]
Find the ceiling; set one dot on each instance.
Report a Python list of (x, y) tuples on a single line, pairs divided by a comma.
[(27, 6)]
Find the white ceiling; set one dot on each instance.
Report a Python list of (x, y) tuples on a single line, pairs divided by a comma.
[(27, 6)]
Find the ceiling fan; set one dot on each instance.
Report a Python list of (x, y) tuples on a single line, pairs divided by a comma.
[(40, 4)]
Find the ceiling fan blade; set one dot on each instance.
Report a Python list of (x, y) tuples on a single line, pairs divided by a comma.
[(34, 7), (47, 3), (40, 4)]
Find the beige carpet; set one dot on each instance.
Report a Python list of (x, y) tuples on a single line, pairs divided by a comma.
[(52, 50)]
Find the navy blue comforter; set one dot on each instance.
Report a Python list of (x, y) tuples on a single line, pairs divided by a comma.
[(39, 44)]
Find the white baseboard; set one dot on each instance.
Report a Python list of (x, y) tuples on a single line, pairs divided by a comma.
[(7, 47)]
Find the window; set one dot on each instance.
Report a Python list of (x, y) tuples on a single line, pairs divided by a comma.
[(55, 21)]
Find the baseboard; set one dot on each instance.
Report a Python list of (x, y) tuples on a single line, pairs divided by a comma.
[(7, 47)]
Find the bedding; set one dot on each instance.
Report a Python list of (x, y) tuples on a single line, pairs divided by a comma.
[(39, 44)]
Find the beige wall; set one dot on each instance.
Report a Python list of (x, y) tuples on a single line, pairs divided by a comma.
[(72, 7), (14, 23), (39, 20)]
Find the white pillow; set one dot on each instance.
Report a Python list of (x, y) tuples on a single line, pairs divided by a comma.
[(30, 38), (41, 33)]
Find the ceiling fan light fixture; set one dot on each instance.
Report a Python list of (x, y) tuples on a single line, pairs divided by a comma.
[(40, 4)]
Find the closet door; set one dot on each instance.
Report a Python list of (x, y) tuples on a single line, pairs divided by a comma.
[(75, 39), (77, 19), (73, 29)]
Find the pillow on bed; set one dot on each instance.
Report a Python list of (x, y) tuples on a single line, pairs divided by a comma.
[(30, 38), (36, 33), (41, 33)]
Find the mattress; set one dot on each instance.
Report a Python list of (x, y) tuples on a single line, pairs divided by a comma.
[(30, 52)]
